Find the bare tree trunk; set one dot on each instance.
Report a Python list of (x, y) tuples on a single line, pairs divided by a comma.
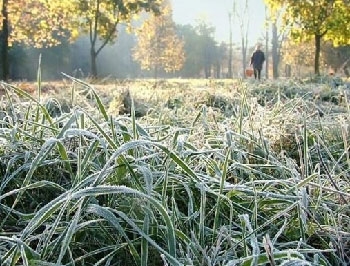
[(275, 51), (93, 39), (244, 55), (244, 26), (288, 70), (317, 53), (4, 42), (267, 42), (218, 70), (207, 70), (93, 57), (94, 52), (230, 72)]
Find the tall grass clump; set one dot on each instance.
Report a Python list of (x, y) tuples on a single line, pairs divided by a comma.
[(187, 184)]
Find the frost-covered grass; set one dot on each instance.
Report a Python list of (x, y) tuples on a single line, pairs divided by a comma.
[(213, 173)]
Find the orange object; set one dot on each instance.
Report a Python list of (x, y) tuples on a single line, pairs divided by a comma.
[(249, 72)]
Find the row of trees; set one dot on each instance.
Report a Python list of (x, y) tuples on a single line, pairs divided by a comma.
[(292, 22), (160, 46), (46, 23)]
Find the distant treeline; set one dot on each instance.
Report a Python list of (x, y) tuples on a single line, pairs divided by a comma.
[(204, 58)]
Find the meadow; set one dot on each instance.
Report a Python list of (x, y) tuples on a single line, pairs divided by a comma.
[(175, 172)]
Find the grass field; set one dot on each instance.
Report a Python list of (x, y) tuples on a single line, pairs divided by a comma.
[(178, 172)]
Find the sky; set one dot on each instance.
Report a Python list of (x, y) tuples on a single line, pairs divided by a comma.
[(216, 13)]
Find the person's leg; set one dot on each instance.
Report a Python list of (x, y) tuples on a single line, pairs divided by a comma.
[(255, 73), (259, 73)]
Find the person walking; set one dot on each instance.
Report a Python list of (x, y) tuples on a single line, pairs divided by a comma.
[(257, 60)]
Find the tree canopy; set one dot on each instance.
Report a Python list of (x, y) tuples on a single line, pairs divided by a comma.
[(38, 23), (158, 46), (43, 23), (316, 19), (99, 19)]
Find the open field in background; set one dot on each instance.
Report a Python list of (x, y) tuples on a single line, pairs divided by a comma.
[(178, 172)]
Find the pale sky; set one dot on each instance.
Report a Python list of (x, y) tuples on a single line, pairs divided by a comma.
[(216, 13)]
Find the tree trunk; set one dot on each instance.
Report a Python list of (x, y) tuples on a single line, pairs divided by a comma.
[(275, 52), (244, 25), (93, 38), (267, 56), (94, 25), (244, 55), (93, 57), (288, 71), (267, 44), (207, 70), (230, 72), (4, 43), (218, 70), (317, 53)]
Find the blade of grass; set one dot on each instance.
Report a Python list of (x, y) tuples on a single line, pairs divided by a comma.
[(69, 233), (221, 189)]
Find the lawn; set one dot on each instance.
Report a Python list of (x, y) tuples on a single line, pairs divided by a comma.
[(174, 172)]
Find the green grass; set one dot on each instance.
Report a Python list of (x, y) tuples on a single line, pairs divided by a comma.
[(214, 173)]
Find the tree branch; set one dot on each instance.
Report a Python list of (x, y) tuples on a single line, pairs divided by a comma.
[(109, 36), (97, 14)]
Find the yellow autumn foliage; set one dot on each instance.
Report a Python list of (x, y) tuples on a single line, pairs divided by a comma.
[(39, 22), (327, 18), (158, 45)]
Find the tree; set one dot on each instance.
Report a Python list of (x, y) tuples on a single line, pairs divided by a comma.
[(279, 35), (158, 45), (99, 19), (276, 50), (298, 55), (267, 42), (221, 54), (317, 20), (201, 50), (230, 56), (206, 46), (193, 63), (4, 41), (241, 11), (33, 22)]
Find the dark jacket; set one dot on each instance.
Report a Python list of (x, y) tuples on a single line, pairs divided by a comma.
[(257, 59)]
